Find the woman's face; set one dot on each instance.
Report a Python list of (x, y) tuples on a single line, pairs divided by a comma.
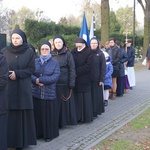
[(80, 46), (45, 50), (93, 44), (16, 39), (58, 43)]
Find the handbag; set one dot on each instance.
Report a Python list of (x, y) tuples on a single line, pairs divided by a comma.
[(144, 62)]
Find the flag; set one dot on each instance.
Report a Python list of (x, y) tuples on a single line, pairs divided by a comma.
[(92, 29), (84, 33)]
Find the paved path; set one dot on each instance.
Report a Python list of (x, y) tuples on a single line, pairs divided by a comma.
[(117, 113)]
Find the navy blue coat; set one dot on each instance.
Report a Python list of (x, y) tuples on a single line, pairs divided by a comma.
[(124, 58), (148, 53), (48, 74), (131, 56)]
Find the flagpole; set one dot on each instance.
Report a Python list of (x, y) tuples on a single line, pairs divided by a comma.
[(92, 29), (94, 23)]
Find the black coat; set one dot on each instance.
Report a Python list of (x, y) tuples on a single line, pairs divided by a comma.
[(98, 69), (116, 57), (3, 83), (67, 67), (83, 64), (19, 91)]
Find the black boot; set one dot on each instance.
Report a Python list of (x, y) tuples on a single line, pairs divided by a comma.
[(19, 148)]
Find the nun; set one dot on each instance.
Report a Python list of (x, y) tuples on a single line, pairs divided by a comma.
[(83, 57), (44, 94), (98, 72), (20, 119), (66, 83)]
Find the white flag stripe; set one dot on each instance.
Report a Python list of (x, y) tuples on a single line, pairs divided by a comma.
[(92, 29)]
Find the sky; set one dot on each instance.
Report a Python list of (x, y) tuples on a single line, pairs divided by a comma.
[(55, 9)]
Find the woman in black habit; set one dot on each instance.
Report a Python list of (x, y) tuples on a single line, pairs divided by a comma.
[(98, 71), (3, 83), (83, 57), (20, 121), (66, 83), (44, 94)]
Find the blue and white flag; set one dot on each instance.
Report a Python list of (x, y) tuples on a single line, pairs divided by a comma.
[(92, 29), (84, 33)]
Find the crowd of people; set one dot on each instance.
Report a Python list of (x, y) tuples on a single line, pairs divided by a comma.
[(39, 94)]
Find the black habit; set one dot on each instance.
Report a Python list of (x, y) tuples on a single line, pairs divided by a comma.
[(83, 61)]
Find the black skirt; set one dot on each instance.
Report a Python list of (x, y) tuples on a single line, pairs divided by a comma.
[(97, 99), (21, 128), (3, 132), (66, 108), (84, 107), (46, 118)]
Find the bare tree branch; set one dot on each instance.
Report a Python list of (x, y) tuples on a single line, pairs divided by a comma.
[(142, 5)]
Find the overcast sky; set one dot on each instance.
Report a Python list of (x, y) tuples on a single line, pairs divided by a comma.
[(55, 9)]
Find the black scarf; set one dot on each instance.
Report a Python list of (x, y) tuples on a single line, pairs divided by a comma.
[(18, 49)]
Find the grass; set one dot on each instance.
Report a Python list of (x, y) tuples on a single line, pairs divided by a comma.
[(141, 122), (133, 136), (138, 66)]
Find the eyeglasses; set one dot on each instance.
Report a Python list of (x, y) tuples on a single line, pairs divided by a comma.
[(46, 49)]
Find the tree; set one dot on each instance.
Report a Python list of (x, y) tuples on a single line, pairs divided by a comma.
[(114, 23), (73, 21), (145, 4), (104, 20), (63, 21), (89, 6), (39, 16), (125, 18), (20, 17)]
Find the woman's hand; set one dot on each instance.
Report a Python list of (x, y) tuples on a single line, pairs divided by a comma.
[(37, 82), (12, 75)]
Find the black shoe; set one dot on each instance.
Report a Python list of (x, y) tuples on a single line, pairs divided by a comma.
[(94, 117), (19, 148), (105, 103), (47, 140), (131, 88), (120, 95)]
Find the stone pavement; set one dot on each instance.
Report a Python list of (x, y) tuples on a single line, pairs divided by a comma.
[(117, 113)]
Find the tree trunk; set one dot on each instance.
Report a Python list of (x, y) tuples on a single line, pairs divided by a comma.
[(104, 20), (146, 10)]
